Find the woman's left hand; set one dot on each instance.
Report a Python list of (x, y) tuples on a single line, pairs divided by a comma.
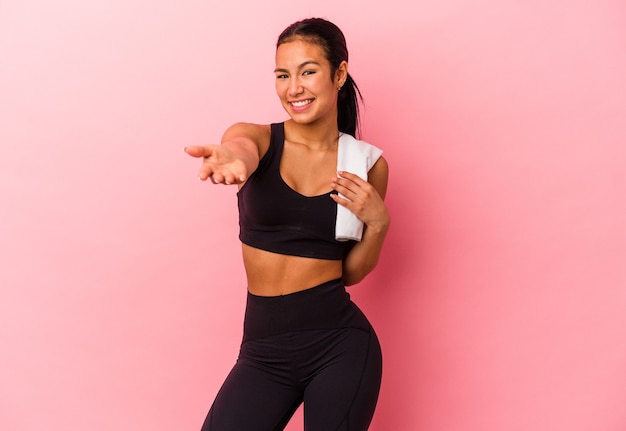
[(361, 198)]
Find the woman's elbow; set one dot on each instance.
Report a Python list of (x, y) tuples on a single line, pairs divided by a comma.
[(351, 281), (355, 276)]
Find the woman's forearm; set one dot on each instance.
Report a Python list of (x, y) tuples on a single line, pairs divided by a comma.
[(363, 257)]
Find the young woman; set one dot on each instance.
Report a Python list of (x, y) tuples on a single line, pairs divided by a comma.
[(304, 340)]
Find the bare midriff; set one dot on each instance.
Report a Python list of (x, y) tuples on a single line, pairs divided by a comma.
[(272, 274)]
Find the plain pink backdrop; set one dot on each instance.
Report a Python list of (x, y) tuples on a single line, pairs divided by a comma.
[(500, 299)]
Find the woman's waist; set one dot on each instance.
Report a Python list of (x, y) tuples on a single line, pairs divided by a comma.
[(325, 306), (272, 274)]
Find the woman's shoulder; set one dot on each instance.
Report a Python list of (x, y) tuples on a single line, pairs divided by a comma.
[(378, 176)]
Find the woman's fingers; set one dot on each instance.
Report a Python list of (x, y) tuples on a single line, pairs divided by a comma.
[(359, 196), (206, 170), (350, 176), (350, 185), (343, 190), (198, 151), (218, 164)]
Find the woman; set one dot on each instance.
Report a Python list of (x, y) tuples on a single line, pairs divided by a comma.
[(304, 340)]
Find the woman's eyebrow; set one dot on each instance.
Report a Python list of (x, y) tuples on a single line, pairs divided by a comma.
[(301, 66)]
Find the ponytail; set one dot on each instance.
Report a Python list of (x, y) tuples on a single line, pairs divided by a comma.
[(348, 108)]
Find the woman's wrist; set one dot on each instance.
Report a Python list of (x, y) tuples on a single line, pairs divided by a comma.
[(380, 226)]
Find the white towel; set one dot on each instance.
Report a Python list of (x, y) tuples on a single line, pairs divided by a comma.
[(356, 157)]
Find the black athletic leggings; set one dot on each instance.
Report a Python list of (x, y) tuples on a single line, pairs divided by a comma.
[(313, 346)]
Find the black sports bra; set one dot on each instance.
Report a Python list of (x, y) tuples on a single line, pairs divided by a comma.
[(276, 218)]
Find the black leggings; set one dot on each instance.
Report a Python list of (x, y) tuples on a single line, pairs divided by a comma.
[(313, 346)]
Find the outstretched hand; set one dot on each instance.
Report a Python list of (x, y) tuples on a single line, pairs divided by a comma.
[(219, 164), (361, 198)]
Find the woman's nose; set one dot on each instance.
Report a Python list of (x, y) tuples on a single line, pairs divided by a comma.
[(295, 87)]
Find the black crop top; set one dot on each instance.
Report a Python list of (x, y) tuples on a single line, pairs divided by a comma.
[(276, 218)]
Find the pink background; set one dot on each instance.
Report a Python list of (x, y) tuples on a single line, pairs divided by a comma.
[(500, 300)]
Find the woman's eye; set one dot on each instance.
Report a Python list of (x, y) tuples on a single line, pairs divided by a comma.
[(281, 76), (308, 72)]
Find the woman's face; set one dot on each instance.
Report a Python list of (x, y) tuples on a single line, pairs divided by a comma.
[(304, 83)]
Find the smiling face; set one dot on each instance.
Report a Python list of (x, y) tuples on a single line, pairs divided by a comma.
[(305, 83)]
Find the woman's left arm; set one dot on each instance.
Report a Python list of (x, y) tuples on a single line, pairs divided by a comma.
[(365, 200)]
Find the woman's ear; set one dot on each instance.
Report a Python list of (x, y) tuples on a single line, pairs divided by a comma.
[(341, 74)]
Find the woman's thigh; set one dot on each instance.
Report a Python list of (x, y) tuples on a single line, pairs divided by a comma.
[(251, 399), (342, 396)]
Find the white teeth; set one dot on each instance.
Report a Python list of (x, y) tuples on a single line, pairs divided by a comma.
[(301, 103)]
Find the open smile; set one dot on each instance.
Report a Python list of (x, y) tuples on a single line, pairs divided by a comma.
[(301, 103)]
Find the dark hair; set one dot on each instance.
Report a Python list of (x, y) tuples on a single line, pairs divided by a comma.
[(330, 38)]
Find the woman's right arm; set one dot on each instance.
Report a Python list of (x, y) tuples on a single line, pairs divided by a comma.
[(237, 157)]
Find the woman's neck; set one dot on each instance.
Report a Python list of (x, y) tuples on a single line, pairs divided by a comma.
[(315, 136)]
